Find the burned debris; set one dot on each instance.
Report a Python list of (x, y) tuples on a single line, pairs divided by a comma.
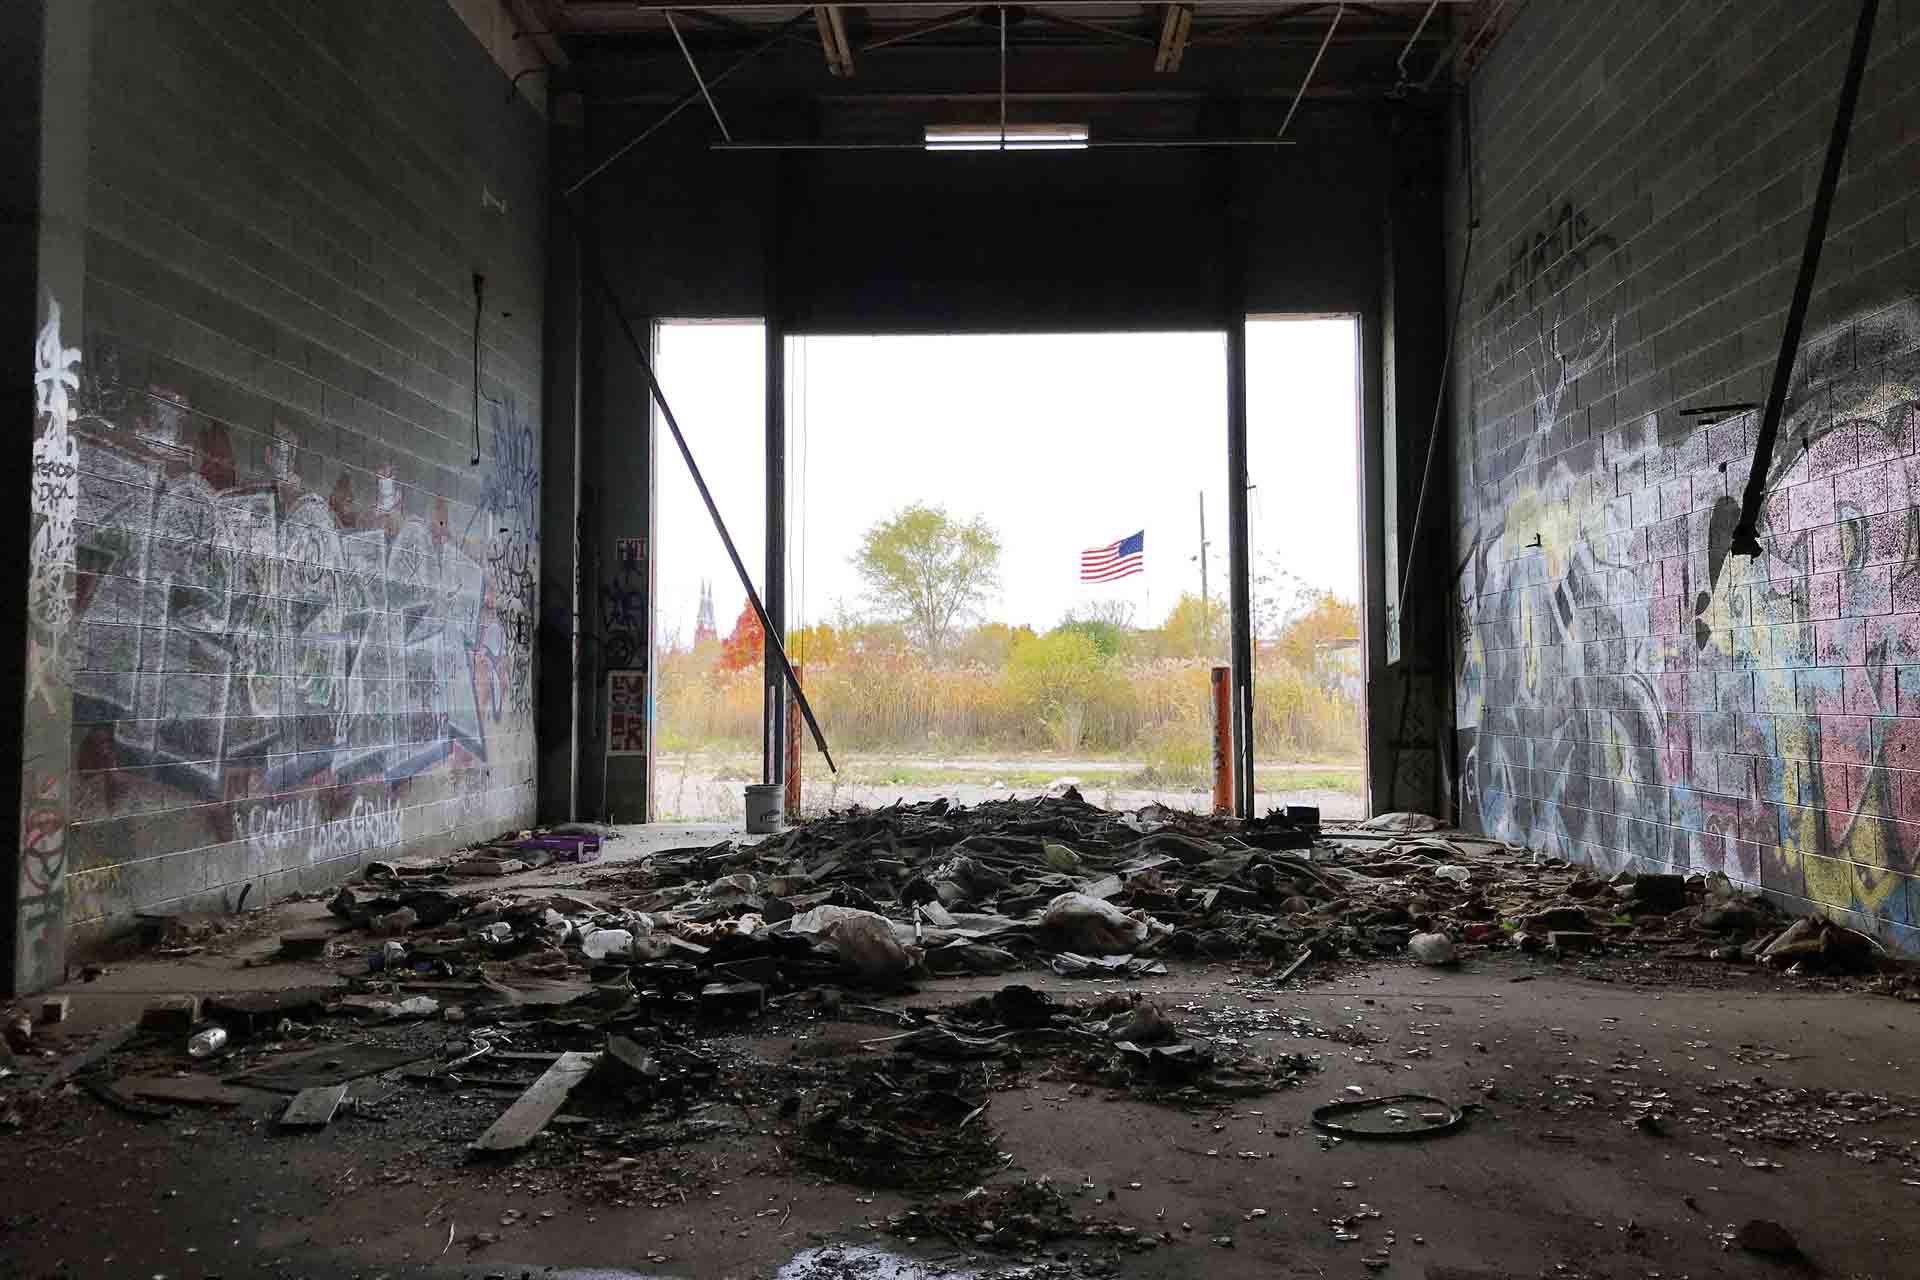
[(661, 1023)]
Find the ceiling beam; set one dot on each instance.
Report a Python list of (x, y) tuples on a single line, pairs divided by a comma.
[(1175, 30), (535, 20), (833, 39), (615, 15)]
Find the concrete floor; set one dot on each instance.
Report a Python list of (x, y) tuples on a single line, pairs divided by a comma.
[(1550, 1180)]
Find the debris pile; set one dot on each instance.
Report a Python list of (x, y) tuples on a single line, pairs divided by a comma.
[(1019, 1217), (596, 1023)]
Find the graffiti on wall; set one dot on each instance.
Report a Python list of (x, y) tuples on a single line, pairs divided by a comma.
[(623, 606), (55, 484), (56, 492), (1555, 309), (1755, 717), (302, 649), (504, 533)]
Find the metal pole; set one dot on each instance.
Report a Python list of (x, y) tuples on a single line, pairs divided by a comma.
[(773, 740), (1312, 67), (776, 642), (697, 77), (1746, 532), (793, 753), (1240, 567), (1003, 77), (682, 104), (1221, 706)]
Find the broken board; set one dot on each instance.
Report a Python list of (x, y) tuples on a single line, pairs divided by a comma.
[(335, 1064), (192, 1091), (313, 1108), (531, 1110)]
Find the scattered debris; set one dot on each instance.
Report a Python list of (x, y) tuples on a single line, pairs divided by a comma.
[(531, 1111), (313, 1108), (1396, 1113), (1021, 1217), (1434, 950)]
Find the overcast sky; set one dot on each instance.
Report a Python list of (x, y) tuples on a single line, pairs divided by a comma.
[(1061, 442)]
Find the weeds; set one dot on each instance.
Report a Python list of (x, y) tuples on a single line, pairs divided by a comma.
[(1155, 710)]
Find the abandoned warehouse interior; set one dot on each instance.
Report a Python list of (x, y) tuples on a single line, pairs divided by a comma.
[(341, 938)]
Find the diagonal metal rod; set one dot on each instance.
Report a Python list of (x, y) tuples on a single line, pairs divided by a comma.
[(1401, 61), (697, 77), (686, 101), (1746, 531), (1003, 77), (924, 29), (1095, 28), (1312, 67), (590, 259)]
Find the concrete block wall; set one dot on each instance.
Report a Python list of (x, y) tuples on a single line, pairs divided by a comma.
[(1627, 692), (301, 624)]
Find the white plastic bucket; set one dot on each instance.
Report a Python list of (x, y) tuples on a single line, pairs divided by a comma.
[(766, 802)]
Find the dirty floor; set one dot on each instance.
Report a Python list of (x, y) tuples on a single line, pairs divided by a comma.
[(1790, 1106)]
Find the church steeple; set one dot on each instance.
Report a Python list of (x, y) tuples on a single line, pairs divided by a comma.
[(703, 628)]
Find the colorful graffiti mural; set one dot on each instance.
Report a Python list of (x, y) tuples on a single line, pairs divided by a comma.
[(1627, 691), (285, 651)]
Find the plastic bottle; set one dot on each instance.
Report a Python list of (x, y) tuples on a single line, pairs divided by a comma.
[(207, 1043)]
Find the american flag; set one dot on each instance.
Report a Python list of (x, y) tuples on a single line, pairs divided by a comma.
[(1115, 560)]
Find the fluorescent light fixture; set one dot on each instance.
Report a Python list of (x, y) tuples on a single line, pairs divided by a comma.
[(1016, 137)]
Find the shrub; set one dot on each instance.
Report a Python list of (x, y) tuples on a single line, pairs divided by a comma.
[(1056, 692)]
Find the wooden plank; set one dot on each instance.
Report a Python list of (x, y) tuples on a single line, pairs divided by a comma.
[(194, 1091), (531, 1110), (313, 1108), (334, 1064), (937, 915)]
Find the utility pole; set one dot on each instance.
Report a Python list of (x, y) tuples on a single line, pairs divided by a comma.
[(1206, 627)]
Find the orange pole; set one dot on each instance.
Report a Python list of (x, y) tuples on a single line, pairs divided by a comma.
[(1223, 740), (793, 752)]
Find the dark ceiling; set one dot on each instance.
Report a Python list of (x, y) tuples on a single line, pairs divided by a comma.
[(1202, 72)]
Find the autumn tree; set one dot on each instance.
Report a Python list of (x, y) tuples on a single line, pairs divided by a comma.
[(929, 571), (1195, 628), (991, 643), (1323, 619), (821, 645), (743, 645)]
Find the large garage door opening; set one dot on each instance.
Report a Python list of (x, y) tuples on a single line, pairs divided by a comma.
[(706, 713), (996, 576), (1303, 516), (1007, 565)]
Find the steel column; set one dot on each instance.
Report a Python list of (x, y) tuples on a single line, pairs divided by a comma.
[(1240, 566), (774, 750)]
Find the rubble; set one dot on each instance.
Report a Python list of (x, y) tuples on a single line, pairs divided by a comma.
[(1021, 1217), (592, 1022)]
